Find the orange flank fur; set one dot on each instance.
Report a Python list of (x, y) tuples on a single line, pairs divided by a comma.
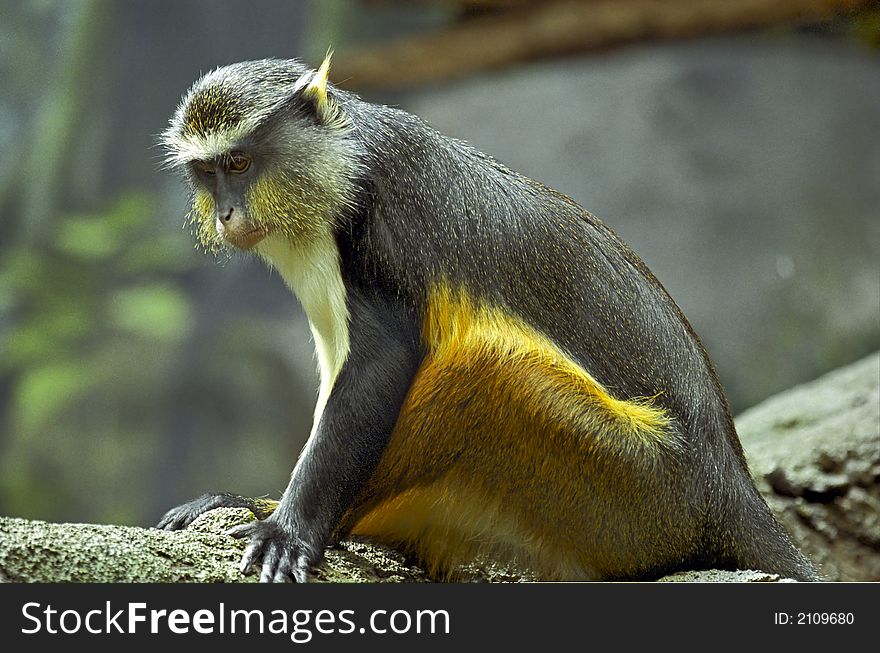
[(505, 446)]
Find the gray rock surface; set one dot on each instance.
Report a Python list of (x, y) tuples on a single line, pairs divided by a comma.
[(36, 551), (814, 450), (723, 576), (815, 453)]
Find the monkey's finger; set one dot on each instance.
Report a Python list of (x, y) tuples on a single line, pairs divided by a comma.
[(170, 521), (282, 569), (301, 569), (271, 559), (282, 573), (252, 553), (287, 570), (242, 530)]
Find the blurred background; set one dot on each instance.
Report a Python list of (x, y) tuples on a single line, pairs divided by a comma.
[(735, 144)]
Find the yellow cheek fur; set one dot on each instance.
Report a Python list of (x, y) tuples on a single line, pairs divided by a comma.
[(202, 219), (273, 202), (287, 208), (299, 212)]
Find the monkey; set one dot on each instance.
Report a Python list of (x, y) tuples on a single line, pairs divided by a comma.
[(500, 375)]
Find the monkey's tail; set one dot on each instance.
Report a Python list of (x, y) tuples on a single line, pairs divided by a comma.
[(759, 541)]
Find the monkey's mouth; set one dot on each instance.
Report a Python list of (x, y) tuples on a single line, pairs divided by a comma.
[(245, 239)]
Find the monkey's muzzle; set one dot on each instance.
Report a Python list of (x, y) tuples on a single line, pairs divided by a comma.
[(242, 234)]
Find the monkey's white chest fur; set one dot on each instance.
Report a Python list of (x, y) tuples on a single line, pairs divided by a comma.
[(313, 274)]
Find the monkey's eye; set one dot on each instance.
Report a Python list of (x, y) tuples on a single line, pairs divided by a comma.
[(206, 167), (238, 162)]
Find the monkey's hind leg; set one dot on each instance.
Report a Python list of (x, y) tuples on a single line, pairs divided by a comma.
[(507, 449), (182, 516)]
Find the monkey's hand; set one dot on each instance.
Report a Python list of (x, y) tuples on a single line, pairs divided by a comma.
[(182, 516), (285, 555)]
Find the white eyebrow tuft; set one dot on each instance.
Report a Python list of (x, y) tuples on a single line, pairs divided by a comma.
[(185, 148)]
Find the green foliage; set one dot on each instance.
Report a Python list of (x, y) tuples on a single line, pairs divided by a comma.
[(97, 235), (154, 311), (43, 391), (97, 275), (89, 324)]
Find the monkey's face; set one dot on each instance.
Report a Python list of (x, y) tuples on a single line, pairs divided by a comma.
[(287, 186), (267, 152), (220, 199)]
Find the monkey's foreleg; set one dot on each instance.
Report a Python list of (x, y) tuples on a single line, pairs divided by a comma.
[(344, 449)]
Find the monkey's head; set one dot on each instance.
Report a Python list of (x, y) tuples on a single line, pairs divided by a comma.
[(267, 152)]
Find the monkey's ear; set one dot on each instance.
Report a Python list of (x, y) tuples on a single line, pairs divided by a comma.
[(315, 91)]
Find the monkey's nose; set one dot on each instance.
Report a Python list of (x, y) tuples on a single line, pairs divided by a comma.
[(228, 216)]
